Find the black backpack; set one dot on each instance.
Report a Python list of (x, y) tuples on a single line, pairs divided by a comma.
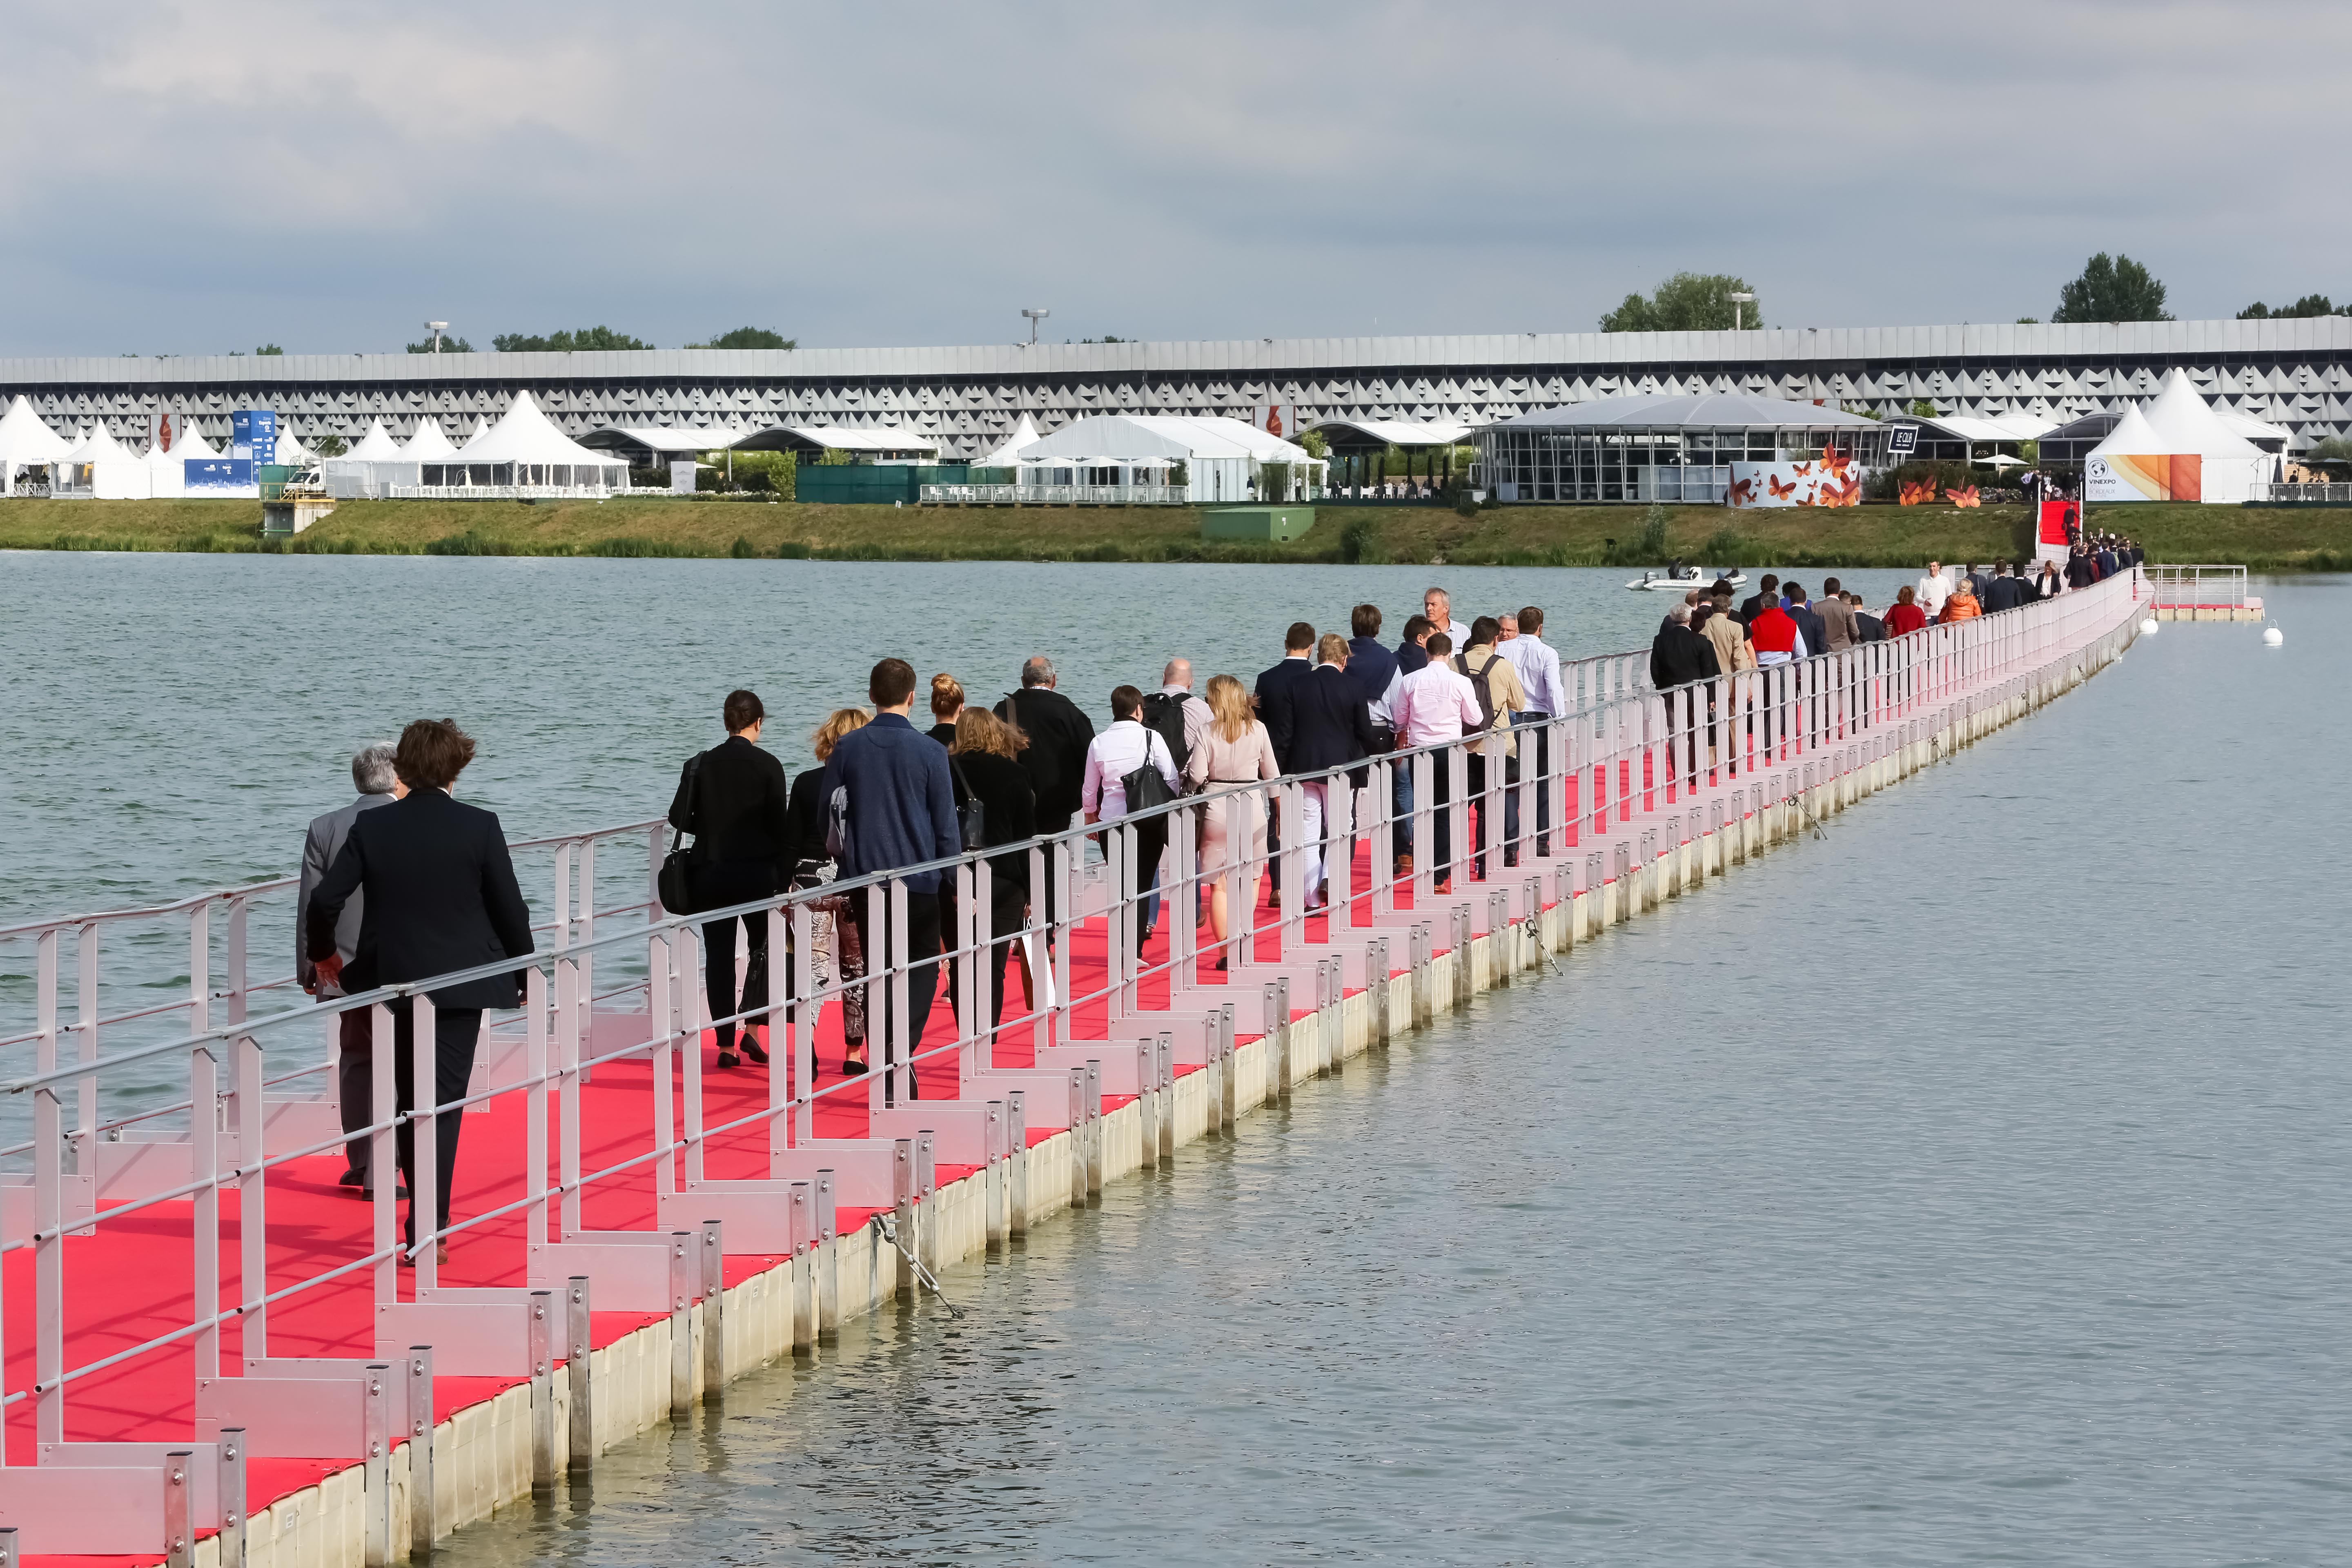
[(1482, 681), (1165, 715)]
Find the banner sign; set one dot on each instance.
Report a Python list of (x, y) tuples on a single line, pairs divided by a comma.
[(1825, 481), (166, 431), (1277, 420), (2144, 477), (253, 435), (220, 477), (1902, 440)]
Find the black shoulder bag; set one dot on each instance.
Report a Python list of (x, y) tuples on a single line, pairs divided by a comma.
[(672, 882), (971, 816)]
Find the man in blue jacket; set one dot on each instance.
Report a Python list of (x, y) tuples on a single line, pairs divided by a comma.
[(900, 810)]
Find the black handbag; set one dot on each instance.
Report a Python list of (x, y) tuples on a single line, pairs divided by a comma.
[(971, 816), (673, 882), (1146, 786)]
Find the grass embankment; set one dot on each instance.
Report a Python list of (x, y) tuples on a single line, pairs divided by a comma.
[(2267, 537)]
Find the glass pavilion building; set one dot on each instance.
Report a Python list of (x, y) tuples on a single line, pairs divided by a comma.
[(1665, 447)]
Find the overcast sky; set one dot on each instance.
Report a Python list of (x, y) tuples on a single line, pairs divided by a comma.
[(195, 178)]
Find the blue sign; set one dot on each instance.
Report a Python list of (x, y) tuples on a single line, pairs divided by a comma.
[(253, 435), (202, 474), (1901, 439)]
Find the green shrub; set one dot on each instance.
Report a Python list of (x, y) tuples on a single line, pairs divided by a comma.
[(743, 550), (791, 549), (1360, 542), (634, 546), (470, 542), (1727, 547)]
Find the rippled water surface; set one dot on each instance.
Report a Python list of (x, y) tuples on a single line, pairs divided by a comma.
[(1970, 1186)]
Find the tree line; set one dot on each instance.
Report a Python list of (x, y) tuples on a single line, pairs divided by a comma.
[(593, 340), (2108, 289)]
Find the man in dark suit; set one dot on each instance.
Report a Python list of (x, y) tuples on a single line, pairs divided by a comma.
[(1767, 595), (1816, 635), (1678, 657), (441, 897), (902, 812), (1058, 732), (733, 799), (1275, 689), (1369, 661), (1331, 728), (373, 775), (1867, 627), (1413, 652)]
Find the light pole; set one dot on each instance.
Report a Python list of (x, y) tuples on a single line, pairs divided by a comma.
[(1035, 313), (436, 328), (1739, 298)]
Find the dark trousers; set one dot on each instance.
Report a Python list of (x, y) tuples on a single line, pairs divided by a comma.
[(1150, 844), (922, 981), (1539, 727), (1006, 900), (456, 1032), (1048, 825), (1510, 811), (1440, 825), (716, 886), (356, 1083)]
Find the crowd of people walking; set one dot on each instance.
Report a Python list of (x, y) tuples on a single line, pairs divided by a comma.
[(406, 884)]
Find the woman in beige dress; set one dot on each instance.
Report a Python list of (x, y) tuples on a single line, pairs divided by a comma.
[(1236, 749)]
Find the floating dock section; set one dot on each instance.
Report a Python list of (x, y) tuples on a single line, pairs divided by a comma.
[(216, 1355)]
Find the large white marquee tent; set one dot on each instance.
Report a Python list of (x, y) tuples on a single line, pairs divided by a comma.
[(2175, 448), (1224, 459), (27, 443)]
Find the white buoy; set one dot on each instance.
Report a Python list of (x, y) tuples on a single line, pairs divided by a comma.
[(2272, 636), (2148, 627)]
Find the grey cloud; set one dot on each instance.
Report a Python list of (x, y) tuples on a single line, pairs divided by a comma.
[(327, 177)]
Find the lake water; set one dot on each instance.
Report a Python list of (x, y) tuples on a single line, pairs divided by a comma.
[(169, 723), (1970, 1186)]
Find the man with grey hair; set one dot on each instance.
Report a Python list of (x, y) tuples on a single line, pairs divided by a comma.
[(1438, 606), (1058, 732), (372, 775)]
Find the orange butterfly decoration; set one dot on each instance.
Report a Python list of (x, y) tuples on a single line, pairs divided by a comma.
[(1803, 468), (1848, 493), (1780, 492), (1743, 492), (1918, 495), (1966, 497)]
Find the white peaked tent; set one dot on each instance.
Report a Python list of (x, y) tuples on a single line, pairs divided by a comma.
[(481, 428), (1224, 459), (289, 449), (102, 468), (26, 442), (1007, 453), (375, 445), (2175, 448), (525, 450), (167, 466), (426, 442)]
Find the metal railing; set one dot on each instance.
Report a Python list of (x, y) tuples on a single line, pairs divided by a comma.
[(1499, 827), (499, 492), (2330, 494), (1057, 495), (2197, 587)]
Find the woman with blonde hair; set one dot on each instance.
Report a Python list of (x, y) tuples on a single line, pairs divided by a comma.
[(984, 764), (1235, 750), (811, 868)]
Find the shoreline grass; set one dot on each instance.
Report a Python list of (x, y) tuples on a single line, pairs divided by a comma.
[(2268, 539)]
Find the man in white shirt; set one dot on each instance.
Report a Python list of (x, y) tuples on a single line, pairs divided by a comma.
[(1434, 705), (1934, 589), (1538, 663), (1438, 606), (1128, 747)]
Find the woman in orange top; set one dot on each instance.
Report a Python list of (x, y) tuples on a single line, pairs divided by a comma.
[(1961, 607)]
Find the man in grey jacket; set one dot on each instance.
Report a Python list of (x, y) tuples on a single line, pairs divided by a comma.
[(372, 772)]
